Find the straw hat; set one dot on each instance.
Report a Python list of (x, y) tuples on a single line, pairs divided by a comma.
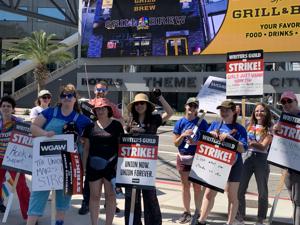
[(141, 97)]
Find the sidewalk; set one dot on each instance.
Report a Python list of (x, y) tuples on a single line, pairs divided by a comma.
[(169, 194)]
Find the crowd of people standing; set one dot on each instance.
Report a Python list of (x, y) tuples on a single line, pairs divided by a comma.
[(97, 144)]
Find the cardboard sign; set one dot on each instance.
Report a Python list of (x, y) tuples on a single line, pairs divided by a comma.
[(284, 151), (212, 94), (245, 74), (73, 173), (47, 167), (137, 158), (213, 161), (18, 154)]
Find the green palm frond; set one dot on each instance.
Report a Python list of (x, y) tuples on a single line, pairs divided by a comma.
[(40, 48)]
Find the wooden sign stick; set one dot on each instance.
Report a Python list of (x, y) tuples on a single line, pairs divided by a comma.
[(132, 206), (10, 198)]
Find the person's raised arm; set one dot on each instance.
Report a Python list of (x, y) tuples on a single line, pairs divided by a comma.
[(168, 109)]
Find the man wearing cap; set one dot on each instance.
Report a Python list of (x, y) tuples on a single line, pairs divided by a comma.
[(289, 103)]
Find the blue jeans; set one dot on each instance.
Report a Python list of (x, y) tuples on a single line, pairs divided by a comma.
[(255, 163), (152, 212), (38, 201)]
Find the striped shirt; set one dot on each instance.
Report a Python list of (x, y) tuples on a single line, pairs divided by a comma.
[(6, 130)]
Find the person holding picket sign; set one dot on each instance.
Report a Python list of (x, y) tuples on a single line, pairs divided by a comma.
[(290, 103), (100, 159), (183, 130), (227, 128), (7, 123), (255, 161), (49, 123), (144, 122)]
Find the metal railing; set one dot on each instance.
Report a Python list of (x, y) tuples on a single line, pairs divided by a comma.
[(68, 67)]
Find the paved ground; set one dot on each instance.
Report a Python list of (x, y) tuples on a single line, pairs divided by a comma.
[(169, 194)]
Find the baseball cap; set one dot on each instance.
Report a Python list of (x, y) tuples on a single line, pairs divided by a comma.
[(192, 100), (289, 95), (44, 92), (228, 105)]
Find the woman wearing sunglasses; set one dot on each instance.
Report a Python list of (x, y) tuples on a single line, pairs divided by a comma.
[(51, 122), (227, 128), (255, 162), (289, 103), (100, 159), (183, 130), (144, 122), (43, 102)]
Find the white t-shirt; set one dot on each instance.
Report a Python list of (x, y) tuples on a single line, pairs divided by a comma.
[(35, 112)]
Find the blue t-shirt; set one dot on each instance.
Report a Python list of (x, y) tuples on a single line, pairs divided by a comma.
[(240, 135), (184, 124), (81, 122)]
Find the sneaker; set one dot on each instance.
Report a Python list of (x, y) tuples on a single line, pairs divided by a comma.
[(185, 217), (2, 208), (238, 222), (84, 209), (201, 223), (118, 210)]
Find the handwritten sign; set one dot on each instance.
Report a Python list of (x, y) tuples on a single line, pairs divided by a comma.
[(47, 167), (18, 154), (245, 73), (137, 161), (212, 94), (213, 161), (284, 151)]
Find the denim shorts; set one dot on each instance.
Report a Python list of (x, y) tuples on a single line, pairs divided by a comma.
[(38, 201)]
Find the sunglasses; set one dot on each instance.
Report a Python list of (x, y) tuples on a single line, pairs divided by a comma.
[(46, 97), (68, 96), (140, 103), (101, 90), (193, 105), (283, 102)]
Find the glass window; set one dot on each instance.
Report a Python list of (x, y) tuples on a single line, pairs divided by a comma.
[(8, 16), (52, 12)]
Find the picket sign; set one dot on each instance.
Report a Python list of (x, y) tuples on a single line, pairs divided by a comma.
[(276, 198), (10, 198)]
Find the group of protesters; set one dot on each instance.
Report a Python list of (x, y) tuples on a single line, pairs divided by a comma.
[(97, 142), (254, 140)]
